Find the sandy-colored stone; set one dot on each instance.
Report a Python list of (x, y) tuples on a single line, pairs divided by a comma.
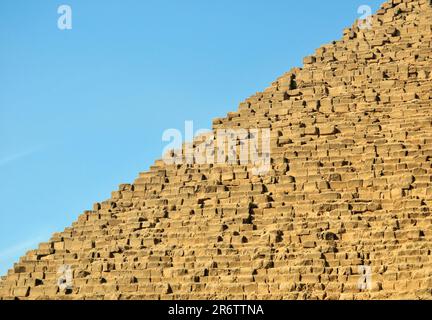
[(349, 190)]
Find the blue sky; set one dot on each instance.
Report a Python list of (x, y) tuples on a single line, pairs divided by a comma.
[(84, 110)]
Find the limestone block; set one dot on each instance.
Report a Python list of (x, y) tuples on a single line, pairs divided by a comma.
[(327, 129)]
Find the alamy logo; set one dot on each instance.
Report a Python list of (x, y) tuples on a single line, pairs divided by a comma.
[(64, 22), (65, 277), (365, 280), (223, 146), (365, 20)]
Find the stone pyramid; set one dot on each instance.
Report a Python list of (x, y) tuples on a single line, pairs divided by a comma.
[(343, 212)]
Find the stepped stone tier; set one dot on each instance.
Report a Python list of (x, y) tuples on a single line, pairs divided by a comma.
[(347, 200)]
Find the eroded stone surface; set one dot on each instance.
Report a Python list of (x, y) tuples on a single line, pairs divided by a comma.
[(350, 187)]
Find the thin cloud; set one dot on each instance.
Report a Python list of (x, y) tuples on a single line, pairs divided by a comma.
[(19, 248), (19, 155)]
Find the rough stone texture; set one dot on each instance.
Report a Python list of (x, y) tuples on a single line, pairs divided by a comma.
[(350, 185)]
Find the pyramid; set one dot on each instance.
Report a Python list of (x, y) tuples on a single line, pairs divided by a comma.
[(343, 211)]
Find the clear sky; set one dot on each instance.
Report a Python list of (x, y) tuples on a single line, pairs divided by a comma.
[(84, 110)]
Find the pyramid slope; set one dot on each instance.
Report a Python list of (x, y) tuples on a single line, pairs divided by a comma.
[(349, 190)]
